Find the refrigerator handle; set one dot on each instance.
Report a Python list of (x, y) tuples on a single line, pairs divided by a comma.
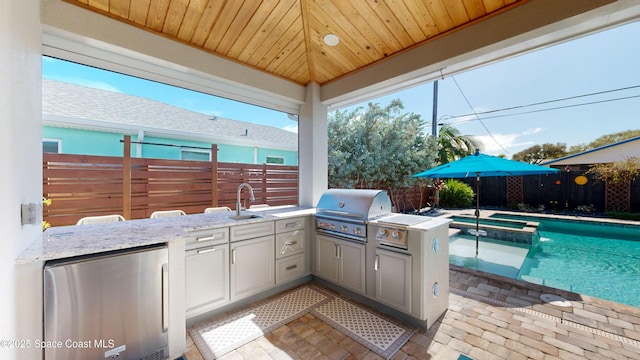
[(165, 297)]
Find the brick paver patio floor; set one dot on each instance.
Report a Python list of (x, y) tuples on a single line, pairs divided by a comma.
[(489, 317)]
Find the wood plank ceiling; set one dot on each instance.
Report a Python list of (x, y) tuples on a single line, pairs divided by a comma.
[(285, 37)]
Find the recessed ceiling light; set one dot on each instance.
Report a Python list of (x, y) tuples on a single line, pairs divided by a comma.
[(331, 40)]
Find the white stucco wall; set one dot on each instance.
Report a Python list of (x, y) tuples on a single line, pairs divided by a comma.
[(20, 154)]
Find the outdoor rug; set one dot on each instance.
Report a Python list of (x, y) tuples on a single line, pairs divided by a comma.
[(381, 335), (384, 336), (217, 338)]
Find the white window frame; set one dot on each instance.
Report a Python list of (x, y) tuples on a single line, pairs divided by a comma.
[(208, 152), (274, 157), (58, 141)]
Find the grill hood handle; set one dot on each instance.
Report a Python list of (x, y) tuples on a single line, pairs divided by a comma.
[(341, 213)]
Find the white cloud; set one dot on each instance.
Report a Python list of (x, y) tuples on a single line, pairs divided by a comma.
[(532, 131), (512, 142)]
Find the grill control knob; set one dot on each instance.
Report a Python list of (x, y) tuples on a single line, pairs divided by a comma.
[(395, 234), (357, 231), (382, 232), (344, 228)]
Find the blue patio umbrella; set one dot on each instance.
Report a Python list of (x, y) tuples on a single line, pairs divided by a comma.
[(480, 165)]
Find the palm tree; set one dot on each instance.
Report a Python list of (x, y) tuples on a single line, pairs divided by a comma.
[(452, 145)]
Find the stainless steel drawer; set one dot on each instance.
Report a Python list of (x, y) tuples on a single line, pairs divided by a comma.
[(289, 243)]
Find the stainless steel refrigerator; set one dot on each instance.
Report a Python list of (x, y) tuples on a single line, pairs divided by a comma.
[(108, 306)]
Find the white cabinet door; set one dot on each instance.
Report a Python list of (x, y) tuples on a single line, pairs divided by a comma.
[(252, 266), (207, 279), (352, 265), (341, 262), (393, 279), (327, 258)]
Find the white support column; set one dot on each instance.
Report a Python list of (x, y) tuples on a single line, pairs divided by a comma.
[(21, 178), (312, 147), (139, 145)]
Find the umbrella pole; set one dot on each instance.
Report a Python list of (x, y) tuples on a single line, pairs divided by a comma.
[(477, 209)]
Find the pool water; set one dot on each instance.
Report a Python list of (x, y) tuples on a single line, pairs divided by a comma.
[(594, 259)]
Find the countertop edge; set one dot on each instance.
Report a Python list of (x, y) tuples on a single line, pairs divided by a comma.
[(77, 240)]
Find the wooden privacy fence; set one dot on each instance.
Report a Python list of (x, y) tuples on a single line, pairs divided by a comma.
[(83, 185)]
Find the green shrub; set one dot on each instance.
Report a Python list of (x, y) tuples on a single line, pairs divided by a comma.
[(456, 194), (622, 215)]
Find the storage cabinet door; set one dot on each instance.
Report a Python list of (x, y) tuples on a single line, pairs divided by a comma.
[(207, 279), (393, 279), (252, 266), (327, 258), (352, 265)]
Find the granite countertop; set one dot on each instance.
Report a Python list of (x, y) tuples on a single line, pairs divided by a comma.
[(75, 240), (413, 222)]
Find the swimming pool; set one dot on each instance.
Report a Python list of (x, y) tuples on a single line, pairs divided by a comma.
[(519, 231), (592, 258)]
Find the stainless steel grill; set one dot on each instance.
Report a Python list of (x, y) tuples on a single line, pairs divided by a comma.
[(346, 212)]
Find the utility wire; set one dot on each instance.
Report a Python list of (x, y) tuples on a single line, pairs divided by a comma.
[(541, 110), (552, 101), (478, 117)]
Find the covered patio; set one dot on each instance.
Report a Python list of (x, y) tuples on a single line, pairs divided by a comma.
[(89, 32)]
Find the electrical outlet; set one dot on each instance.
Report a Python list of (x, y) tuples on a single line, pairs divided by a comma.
[(29, 214)]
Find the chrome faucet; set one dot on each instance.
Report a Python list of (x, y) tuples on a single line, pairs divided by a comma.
[(252, 197)]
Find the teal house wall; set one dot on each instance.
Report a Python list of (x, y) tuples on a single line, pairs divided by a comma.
[(79, 124), (102, 143)]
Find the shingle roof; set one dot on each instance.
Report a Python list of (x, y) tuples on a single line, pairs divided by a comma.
[(80, 102)]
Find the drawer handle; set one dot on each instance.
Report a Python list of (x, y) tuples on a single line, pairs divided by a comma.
[(206, 238), (293, 224), (291, 267), (287, 244), (376, 264), (206, 251)]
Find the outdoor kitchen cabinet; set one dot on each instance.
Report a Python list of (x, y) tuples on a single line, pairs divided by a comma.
[(393, 279), (206, 271), (290, 249), (341, 262), (252, 259)]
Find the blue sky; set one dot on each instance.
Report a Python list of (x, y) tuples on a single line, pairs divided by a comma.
[(603, 62)]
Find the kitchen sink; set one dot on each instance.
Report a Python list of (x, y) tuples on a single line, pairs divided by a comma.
[(244, 217)]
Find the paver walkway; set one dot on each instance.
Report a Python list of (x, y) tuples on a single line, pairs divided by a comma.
[(489, 317)]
